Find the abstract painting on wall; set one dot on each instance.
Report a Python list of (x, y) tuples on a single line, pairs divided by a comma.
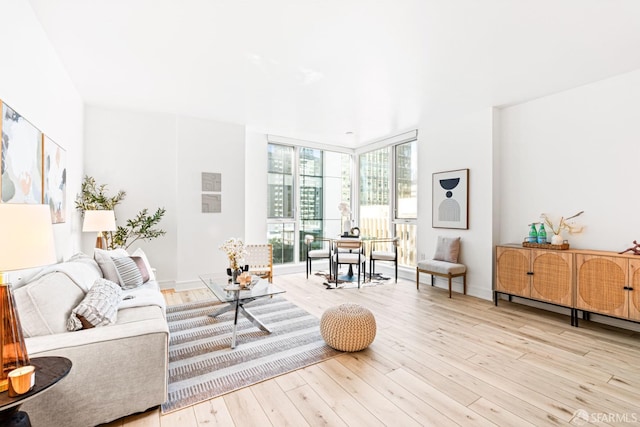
[(451, 199), (21, 159), (55, 179)]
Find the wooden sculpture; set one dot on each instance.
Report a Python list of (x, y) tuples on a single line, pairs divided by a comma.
[(635, 249)]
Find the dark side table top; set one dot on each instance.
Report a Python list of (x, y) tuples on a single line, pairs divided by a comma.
[(49, 370)]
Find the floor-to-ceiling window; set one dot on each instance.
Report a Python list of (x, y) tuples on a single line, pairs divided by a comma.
[(306, 185), (388, 196), (406, 201), (280, 203), (375, 195)]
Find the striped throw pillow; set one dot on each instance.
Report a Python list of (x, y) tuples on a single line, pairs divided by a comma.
[(128, 272)]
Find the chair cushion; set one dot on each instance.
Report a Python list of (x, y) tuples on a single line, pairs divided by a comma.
[(447, 249), (442, 267), (383, 255), (318, 253), (347, 258)]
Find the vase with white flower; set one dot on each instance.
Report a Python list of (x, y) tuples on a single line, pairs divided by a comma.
[(236, 251), (564, 224), (345, 211)]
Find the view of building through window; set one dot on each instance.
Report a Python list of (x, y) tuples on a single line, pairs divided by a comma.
[(387, 213), (322, 180), (306, 185)]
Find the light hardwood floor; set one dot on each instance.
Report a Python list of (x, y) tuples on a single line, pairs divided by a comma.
[(437, 361)]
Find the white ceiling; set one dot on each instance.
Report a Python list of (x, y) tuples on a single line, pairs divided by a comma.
[(316, 69)]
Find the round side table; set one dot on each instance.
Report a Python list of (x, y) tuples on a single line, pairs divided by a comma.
[(49, 370)]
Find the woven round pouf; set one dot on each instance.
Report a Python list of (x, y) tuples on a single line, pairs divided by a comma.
[(348, 327)]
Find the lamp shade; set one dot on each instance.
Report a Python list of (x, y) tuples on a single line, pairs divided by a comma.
[(99, 221), (26, 236)]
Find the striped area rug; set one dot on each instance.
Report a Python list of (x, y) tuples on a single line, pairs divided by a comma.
[(202, 365)]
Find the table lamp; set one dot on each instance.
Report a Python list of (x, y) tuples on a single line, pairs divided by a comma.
[(99, 221), (27, 242)]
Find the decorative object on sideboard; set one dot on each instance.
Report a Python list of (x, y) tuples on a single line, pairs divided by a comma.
[(27, 233), (141, 227), (563, 224), (99, 221), (635, 249)]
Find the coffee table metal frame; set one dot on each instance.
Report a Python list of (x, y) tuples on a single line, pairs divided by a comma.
[(236, 299)]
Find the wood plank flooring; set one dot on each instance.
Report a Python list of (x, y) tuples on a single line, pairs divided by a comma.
[(438, 362)]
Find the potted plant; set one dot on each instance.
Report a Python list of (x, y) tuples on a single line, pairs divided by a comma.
[(142, 227)]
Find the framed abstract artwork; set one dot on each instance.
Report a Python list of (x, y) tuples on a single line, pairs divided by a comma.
[(54, 174), (451, 199), (21, 177), (211, 203)]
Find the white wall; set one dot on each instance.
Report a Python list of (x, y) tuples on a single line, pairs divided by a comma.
[(35, 84), (454, 143), (575, 150), (136, 152), (158, 159), (256, 189), (208, 146)]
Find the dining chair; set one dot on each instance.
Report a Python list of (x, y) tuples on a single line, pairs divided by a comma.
[(383, 249), (349, 251), (260, 260), (322, 251)]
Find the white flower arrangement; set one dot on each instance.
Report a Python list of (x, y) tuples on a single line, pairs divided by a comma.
[(563, 224), (344, 209), (235, 251)]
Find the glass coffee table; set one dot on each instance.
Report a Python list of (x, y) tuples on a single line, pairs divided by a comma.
[(236, 298)]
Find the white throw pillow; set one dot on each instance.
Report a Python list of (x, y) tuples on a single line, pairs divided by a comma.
[(105, 261), (98, 308)]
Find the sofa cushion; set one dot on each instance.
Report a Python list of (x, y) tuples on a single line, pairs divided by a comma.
[(129, 275), (105, 261), (44, 304), (98, 308)]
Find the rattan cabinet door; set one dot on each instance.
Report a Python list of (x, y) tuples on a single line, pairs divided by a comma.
[(634, 293), (552, 277), (512, 266), (601, 283)]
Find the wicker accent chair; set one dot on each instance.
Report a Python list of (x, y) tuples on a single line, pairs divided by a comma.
[(322, 250), (349, 251), (383, 250), (260, 260)]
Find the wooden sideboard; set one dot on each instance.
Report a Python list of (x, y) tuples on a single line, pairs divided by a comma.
[(599, 282)]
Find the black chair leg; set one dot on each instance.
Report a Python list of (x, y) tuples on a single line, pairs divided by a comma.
[(396, 271)]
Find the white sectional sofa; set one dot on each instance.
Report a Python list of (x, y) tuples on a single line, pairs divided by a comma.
[(118, 369)]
